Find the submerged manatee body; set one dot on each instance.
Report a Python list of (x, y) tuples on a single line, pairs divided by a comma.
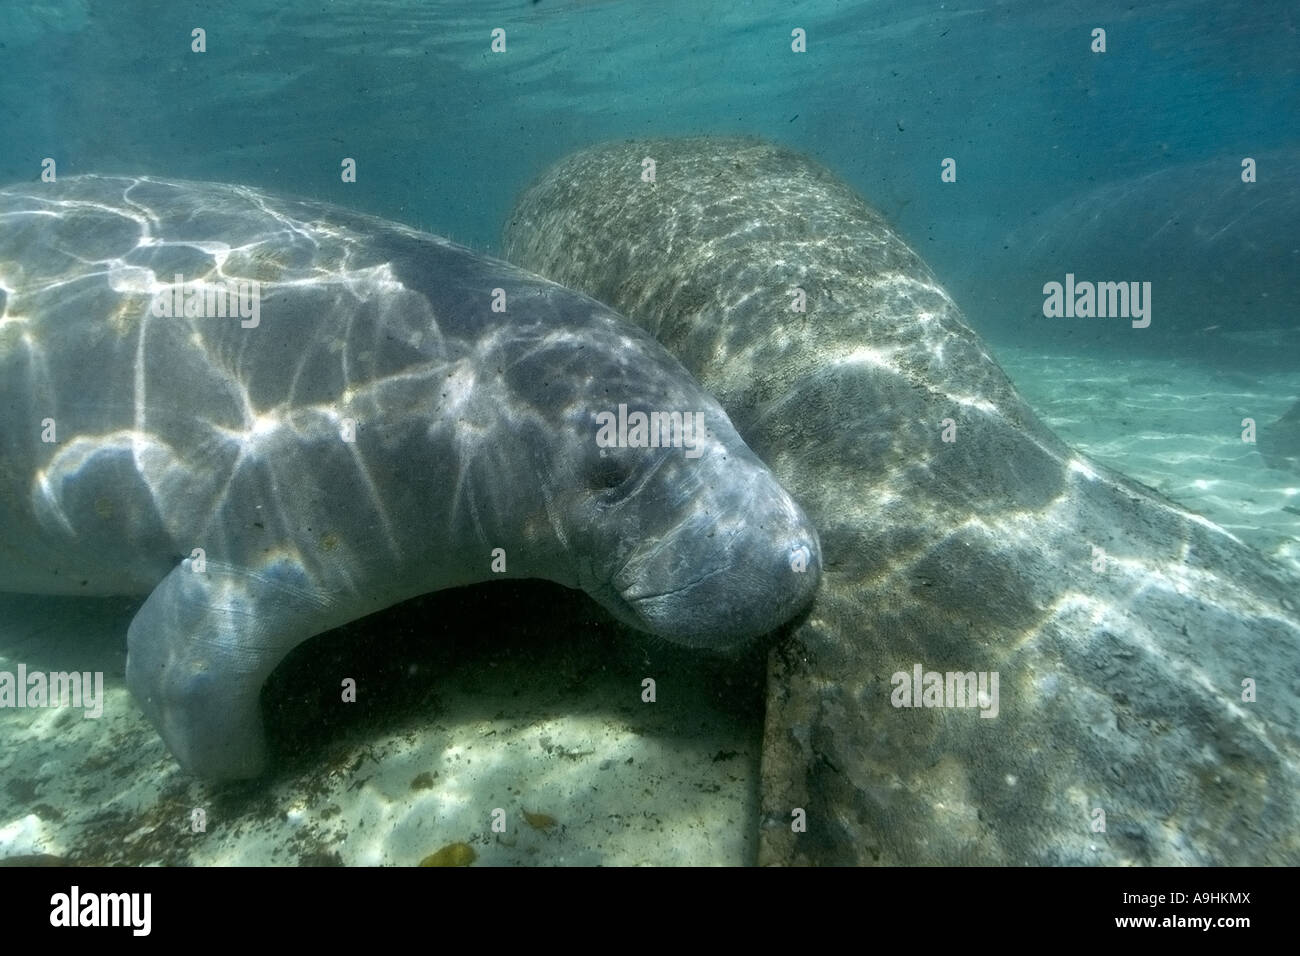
[(1279, 443), (394, 415), (1148, 702)]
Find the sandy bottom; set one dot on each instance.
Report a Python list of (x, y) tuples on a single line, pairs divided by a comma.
[(1177, 428), (467, 706), (453, 726)]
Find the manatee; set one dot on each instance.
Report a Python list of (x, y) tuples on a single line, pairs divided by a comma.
[(383, 415), (1279, 443), (1222, 257), (1147, 662)]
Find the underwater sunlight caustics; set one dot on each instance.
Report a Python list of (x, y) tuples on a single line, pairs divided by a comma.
[(405, 416), (1105, 633)]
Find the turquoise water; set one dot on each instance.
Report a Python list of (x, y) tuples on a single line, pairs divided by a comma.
[(1115, 165), (446, 132)]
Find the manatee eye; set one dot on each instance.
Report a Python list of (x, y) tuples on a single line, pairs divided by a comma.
[(609, 472)]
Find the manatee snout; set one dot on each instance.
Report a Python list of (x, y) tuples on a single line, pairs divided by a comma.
[(720, 580), (720, 553)]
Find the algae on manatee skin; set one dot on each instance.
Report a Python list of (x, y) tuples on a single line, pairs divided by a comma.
[(453, 854)]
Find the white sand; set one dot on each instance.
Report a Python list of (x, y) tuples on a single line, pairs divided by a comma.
[(559, 731), (1176, 427)]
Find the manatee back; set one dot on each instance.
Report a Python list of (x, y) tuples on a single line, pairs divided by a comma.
[(150, 330)]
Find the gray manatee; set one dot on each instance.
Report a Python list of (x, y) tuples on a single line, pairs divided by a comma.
[(362, 426), (1279, 443), (1222, 257), (1147, 702)]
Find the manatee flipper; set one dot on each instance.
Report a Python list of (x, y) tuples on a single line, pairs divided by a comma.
[(200, 649)]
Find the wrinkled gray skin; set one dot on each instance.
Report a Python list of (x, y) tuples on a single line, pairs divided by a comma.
[(1120, 689), (474, 430)]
